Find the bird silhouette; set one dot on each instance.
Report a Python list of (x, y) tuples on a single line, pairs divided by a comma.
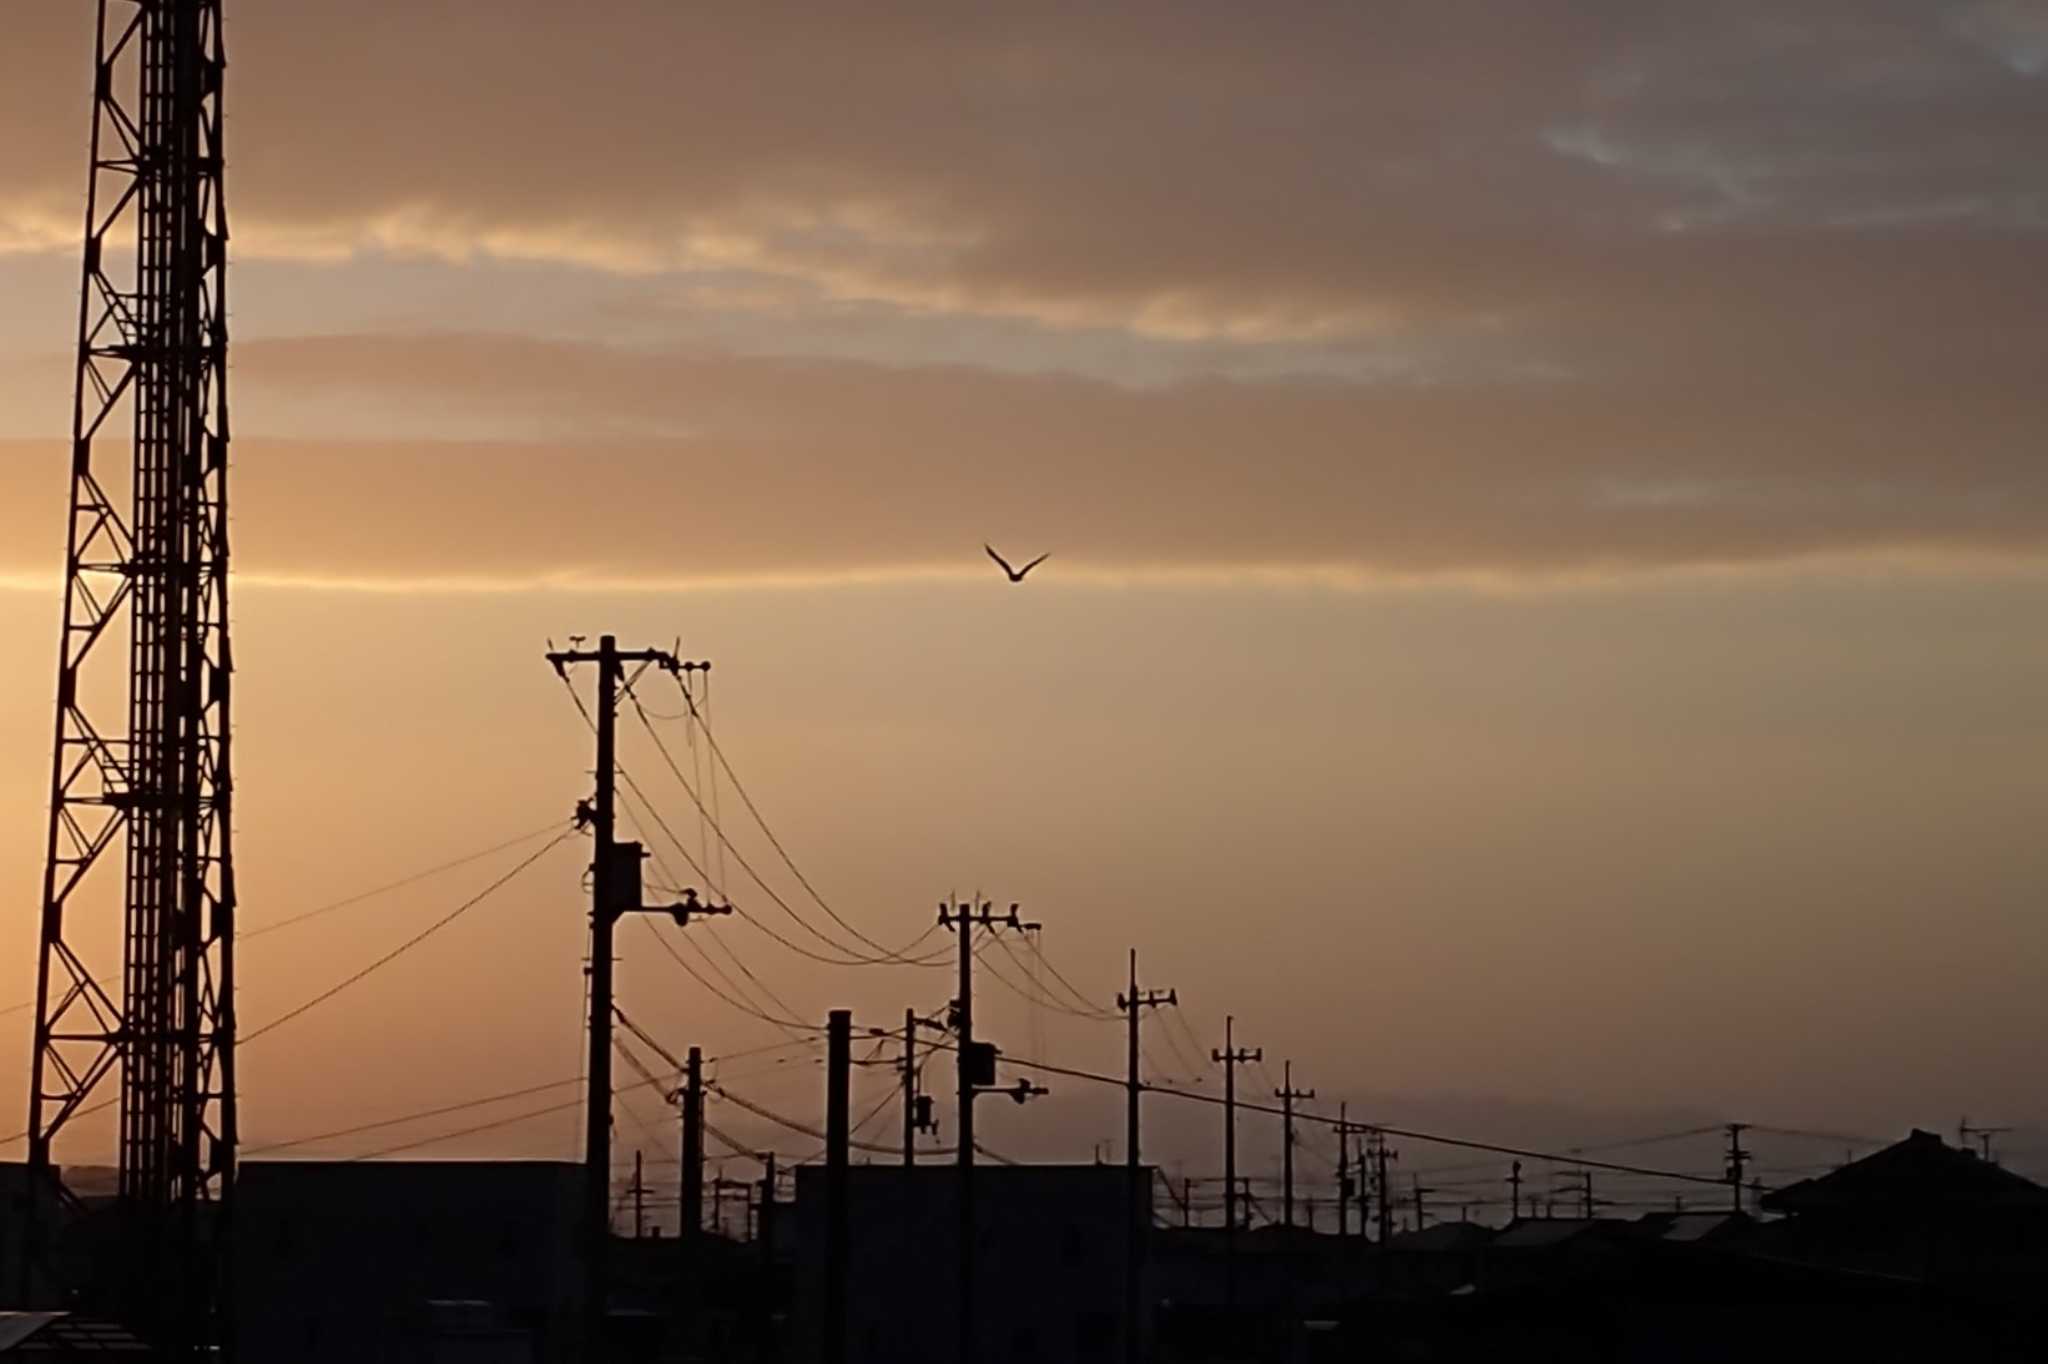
[(1016, 575)]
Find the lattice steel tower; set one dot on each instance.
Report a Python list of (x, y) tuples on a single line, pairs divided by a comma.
[(139, 886)]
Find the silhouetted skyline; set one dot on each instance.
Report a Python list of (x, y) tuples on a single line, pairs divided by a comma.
[(1546, 504)]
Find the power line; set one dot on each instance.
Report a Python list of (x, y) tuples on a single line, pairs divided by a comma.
[(855, 957), (806, 1129), (1837, 1137), (100, 1107), (1037, 997), (1176, 1022), (421, 1116), (683, 849), (514, 1120), (633, 1057), (852, 955), (410, 943), (1405, 1134), (659, 1050), (244, 935), (775, 1000), (1576, 1151), (1034, 943), (400, 884), (465, 1105), (761, 821), (787, 1024)]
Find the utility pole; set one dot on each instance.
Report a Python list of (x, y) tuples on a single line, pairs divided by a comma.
[(1383, 1191), (764, 1293), (1965, 1134), (1136, 1222), (1515, 1193), (909, 1088), (1738, 1158), (740, 1188), (1343, 1170), (639, 1200), (976, 1076), (1232, 1056), (838, 1136), (917, 1107), (614, 893), (1578, 1183), (691, 1229), (1287, 1094), (766, 1220)]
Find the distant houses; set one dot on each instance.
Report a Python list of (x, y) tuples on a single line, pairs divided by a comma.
[(1918, 1251)]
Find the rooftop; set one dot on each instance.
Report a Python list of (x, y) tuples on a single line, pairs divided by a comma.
[(1918, 1173)]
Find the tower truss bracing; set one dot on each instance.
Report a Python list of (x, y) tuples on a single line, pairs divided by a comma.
[(135, 980)]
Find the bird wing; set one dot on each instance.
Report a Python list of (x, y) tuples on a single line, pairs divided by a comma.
[(1034, 564), (1005, 563)]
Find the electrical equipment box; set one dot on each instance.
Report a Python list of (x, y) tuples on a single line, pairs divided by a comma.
[(626, 860)]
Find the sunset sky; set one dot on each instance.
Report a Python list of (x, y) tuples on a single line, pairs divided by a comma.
[(1548, 519)]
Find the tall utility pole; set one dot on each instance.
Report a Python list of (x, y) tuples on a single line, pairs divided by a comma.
[(976, 1075), (639, 1200), (1136, 1222), (1287, 1094), (1515, 1193), (141, 753), (614, 893), (1738, 1161), (1232, 1056), (691, 1227), (1382, 1190)]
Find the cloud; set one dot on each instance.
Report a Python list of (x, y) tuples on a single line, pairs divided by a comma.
[(1645, 282), (1304, 169), (2017, 32), (676, 464)]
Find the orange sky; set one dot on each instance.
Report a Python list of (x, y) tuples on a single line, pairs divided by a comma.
[(1545, 507)]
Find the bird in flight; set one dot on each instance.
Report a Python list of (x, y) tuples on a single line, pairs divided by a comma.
[(1016, 574)]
